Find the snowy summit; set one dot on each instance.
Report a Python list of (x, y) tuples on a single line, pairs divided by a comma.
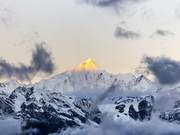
[(89, 65)]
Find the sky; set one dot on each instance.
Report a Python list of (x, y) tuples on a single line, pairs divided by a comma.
[(116, 34)]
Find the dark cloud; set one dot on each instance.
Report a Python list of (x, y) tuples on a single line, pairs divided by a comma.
[(41, 62), (160, 32), (5, 16), (122, 33), (105, 3), (110, 3), (166, 70)]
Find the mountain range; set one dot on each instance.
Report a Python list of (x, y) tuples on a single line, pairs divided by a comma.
[(62, 101)]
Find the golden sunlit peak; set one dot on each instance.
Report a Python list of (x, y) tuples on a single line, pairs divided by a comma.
[(87, 66)]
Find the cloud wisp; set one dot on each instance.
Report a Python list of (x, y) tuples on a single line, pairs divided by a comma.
[(41, 62), (29, 38), (122, 33), (123, 7), (162, 33), (177, 11), (110, 3), (166, 70), (5, 16), (101, 98)]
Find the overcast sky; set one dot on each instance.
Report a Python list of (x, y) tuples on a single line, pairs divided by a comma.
[(116, 34)]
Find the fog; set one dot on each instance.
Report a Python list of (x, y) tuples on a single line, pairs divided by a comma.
[(10, 126), (122, 127), (164, 100)]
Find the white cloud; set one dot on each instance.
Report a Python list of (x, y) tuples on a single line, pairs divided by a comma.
[(10, 126), (119, 127)]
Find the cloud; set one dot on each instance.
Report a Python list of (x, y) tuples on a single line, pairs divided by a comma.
[(165, 99), (162, 33), (177, 11), (101, 98), (29, 38), (166, 70), (119, 7), (41, 62), (10, 126), (148, 13), (5, 16), (122, 33), (97, 93), (103, 3), (110, 3), (109, 126)]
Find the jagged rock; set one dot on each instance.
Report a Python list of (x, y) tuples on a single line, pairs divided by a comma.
[(144, 106), (85, 105), (6, 105), (42, 109), (120, 107), (172, 115), (132, 113)]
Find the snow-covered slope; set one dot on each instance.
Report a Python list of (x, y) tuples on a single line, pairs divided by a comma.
[(73, 80), (144, 84), (9, 86), (137, 108), (43, 110)]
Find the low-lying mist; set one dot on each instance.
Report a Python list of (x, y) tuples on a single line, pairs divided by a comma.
[(110, 126)]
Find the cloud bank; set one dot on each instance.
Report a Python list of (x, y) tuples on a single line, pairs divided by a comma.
[(10, 126), (122, 33), (121, 127), (41, 62), (166, 70)]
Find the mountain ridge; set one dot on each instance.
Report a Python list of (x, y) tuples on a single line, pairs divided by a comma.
[(85, 75), (72, 81), (45, 107)]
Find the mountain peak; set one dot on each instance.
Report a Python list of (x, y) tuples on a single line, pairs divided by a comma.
[(88, 65)]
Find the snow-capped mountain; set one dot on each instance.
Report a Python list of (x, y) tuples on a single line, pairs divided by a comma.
[(45, 107), (87, 75)]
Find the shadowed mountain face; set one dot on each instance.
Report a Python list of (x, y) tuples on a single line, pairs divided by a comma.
[(46, 111), (143, 105), (50, 112)]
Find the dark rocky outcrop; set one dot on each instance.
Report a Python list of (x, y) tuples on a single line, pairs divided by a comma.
[(144, 106)]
